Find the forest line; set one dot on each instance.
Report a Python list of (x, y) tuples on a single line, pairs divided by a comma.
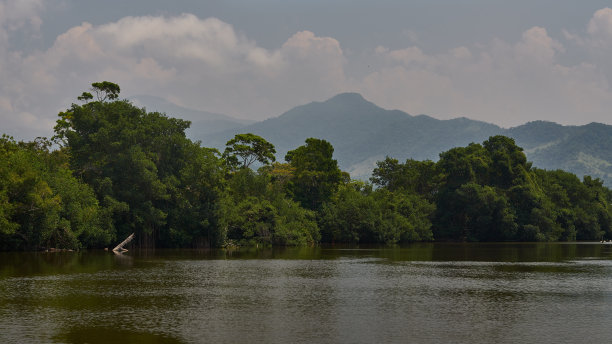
[(113, 169)]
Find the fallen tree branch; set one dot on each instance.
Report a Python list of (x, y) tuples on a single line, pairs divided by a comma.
[(119, 248)]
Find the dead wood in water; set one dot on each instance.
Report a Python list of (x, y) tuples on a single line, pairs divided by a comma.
[(119, 248)]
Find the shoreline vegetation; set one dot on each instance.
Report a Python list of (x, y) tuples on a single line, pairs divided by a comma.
[(112, 169)]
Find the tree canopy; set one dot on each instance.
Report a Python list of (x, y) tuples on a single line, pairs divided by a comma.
[(113, 169), (316, 175), (249, 148)]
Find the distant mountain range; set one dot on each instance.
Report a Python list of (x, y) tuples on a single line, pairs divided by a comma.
[(203, 123), (583, 150), (363, 133)]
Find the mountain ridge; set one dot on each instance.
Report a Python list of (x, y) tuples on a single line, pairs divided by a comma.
[(202, 122), (363, 133)]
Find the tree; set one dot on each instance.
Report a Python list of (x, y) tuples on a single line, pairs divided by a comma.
[(420, 177), (42, 204), (316, 175), (249, 148), (140, 166), (195, 194), (106, 90), (487, 214), (462, 165), (255, 210), (356, 214), (508, 162)]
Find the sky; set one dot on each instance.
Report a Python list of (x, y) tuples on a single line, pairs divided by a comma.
[(503, 62)]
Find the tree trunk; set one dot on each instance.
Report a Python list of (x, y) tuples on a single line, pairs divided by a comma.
[(119, 248)]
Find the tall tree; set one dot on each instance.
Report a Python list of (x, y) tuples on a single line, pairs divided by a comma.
[(508, 164), (316, 175), (249, 148), (132, 158), (420, 177), (42, 204)]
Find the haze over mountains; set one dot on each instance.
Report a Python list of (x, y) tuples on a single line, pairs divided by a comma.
[(363, 133), (203, 123)]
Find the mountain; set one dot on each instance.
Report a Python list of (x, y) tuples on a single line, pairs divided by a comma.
[(583, 150), (363, 133), (202, 122)]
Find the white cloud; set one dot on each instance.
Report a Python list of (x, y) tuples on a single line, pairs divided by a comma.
[(500, 82), (536, 47), (18, 17), (601, 24), (201, 63), (596, 43), (207, 64), (408, 55), (19, 14)]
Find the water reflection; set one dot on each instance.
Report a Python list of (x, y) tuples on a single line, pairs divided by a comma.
[(103, 335), (426, 293)]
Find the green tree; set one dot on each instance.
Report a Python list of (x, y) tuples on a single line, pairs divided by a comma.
[(255, 211), (508, 162), (316, 175), (195, 194), (42, 204), (357, 214), (136, 162), (249, 148), (421, 177), (463, 165), (487, 214)]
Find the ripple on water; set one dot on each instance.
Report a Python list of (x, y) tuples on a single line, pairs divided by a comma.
[(361, 297)]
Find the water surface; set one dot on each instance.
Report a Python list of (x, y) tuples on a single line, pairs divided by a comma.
[(423, 293)]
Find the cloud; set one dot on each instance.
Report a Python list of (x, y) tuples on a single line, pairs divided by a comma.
[(204, 59), (15, 15), (596, 44), (501, 82), (601, 24), (537, 47), (18, 18), (199, 63), (206, 64)]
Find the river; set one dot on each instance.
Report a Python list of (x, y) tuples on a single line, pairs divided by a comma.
[(422, 293)]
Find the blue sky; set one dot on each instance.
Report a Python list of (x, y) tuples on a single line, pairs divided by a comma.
[(504, 62)]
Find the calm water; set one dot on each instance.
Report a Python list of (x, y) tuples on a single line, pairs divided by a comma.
[(426, 293)]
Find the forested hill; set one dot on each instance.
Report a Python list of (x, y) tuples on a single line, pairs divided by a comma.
[(583, 150), (363, 133)]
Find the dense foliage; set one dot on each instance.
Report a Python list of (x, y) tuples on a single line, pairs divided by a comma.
[(154, 181), (490, 192), (117, 169), (42, 204)]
